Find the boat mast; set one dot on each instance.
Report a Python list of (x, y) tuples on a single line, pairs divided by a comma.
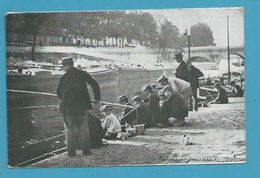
[(228, 50)]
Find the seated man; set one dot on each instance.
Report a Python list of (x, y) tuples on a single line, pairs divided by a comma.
[(236, 90), (153, 102), (179, 86), (111, 124), (143, 112), (173, 108), (222, 97), (126, 115)]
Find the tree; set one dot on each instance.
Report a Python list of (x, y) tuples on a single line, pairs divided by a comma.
[(169, 39), (201, 35)]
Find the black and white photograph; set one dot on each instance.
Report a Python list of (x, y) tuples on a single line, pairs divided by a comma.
[(125, 87)]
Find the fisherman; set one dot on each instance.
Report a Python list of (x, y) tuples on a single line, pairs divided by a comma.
[(179, 86), (222, 97), (143, 112), (75, 103), (194, 74), (111, 124), (182, 69), (125, 117), (173, 107), (236, 90), (153, 102)]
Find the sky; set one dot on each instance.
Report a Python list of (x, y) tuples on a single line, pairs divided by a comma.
[(216, 18)]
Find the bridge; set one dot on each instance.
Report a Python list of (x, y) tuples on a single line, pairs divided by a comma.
[(213, 53)]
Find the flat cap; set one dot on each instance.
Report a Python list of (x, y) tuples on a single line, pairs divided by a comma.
[(67, 60), (161, 79), (106, 107), (122, 97), (137, 98)]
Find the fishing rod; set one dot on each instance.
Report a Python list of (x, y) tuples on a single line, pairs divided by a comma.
[(51, 94)]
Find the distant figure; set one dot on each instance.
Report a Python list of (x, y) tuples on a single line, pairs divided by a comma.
[(143, 112), (153, 101), (179, 86), (236, 90), (111, 124), (125, 117), (222, 97), (182, 69), (173, 107), (75, 103), (194, 75)]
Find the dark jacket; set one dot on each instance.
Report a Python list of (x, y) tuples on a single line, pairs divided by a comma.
[(173, 106), (239, 92), (129, 118), (222, 97), (144, 115), (182, 71), (194, 75), (73, 92), (153, 101)]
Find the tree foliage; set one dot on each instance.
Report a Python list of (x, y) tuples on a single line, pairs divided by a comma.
[(201, 35)]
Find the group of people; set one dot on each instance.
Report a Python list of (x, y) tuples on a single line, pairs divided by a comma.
[(168, 106)]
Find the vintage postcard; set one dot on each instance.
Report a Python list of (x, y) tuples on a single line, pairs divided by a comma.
[(126, 88)]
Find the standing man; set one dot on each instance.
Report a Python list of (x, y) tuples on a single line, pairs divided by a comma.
[(75, 103), (194, 75), (182, 69)]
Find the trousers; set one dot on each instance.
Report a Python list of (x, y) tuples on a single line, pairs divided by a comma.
[(186, 96), (77, 132)]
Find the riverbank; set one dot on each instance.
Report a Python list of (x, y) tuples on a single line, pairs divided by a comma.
[(216, 135)]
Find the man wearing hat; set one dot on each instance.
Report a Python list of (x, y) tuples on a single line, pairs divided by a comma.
[(153, 101), (178, 86), (173, 108), (143, 112), (111, 124), (75, 103), (182, 69), (125, 117)]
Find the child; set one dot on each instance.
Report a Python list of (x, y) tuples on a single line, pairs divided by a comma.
[(111, 124)]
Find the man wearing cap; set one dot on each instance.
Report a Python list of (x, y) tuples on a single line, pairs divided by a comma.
[(153, 101), (125, 117), (182, 69), (111, 124), (75, 103), (178, 86), (173, 108), (143, 112)]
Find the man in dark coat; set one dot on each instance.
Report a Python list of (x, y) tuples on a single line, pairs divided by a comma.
[(126, 116), (75, 103), (194, 74), (236, 90), (173, 108), (222, 97), (143, 112), (153, 101), (182, 69)]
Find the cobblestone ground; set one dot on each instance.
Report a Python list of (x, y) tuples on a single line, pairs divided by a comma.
[(216, 135)]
